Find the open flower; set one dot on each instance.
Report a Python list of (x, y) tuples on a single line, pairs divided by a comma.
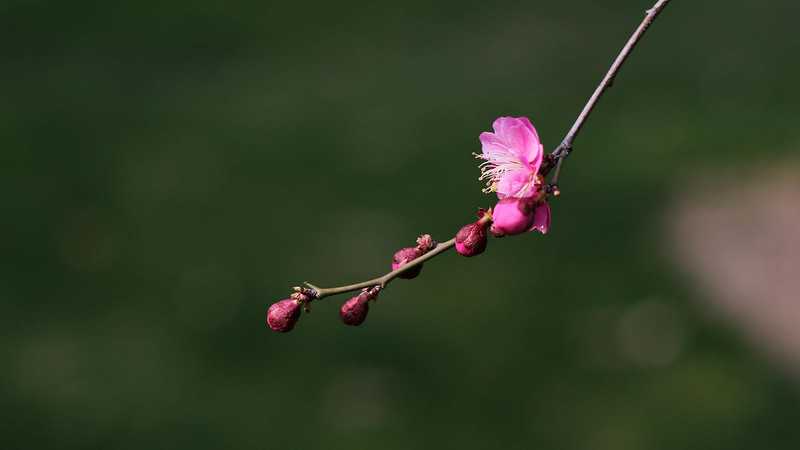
[(512, 156)]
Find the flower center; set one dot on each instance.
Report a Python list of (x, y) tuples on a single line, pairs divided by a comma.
[(495, 167)]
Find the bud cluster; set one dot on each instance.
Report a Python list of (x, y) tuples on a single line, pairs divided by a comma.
[(508, 217)]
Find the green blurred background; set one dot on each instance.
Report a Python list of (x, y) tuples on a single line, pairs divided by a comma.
[(169, 169)]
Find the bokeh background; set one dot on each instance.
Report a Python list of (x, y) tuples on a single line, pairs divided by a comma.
[(169, 169)]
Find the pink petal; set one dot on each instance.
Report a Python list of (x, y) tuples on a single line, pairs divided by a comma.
[(513, 183), (527, 122), (492, 145), (520, 137), (541, 218)]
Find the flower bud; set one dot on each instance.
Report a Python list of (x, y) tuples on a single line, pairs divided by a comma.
[(283, 315), (515, 216), (354, 311), (424, 244), (471, 239), (404, 255), (511, 216)]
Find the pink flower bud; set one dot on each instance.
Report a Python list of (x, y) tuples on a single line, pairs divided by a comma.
[(354, 311), (515, 216), (283, 315), (424, 244), (511, 216), (471, 239), (403, 256)]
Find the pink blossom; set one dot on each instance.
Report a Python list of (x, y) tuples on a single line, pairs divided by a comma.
[(512, 156), (514, 216)]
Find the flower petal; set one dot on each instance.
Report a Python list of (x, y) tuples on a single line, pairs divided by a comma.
[(520, 137), (517, 183), (493, 147), (541, 218)]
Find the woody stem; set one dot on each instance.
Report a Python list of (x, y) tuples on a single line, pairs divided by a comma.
[(558, 155), (381, 281), (565, 147)]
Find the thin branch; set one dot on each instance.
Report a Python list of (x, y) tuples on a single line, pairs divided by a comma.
[(563, 149), (380, 281), (561, 152)]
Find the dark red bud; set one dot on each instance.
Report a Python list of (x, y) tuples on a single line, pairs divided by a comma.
[(471, 239), (283, 315), (425, 243), (404, 255), (354, 311)]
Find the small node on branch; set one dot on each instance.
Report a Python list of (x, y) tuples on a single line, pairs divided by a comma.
[(312, 292), (562, 152), (553, 190)]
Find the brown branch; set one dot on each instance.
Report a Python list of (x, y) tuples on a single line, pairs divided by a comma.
[(561, 152), (565, 147), (382, 281)]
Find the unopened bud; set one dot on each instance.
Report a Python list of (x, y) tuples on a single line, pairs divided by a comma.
[(511, 216), (424, 244), (515, 216), (283, 315), (354, 311), (471, 239)]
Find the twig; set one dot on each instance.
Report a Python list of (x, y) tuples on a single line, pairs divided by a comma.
[(382, 281), (561, 152), (565, 147)]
